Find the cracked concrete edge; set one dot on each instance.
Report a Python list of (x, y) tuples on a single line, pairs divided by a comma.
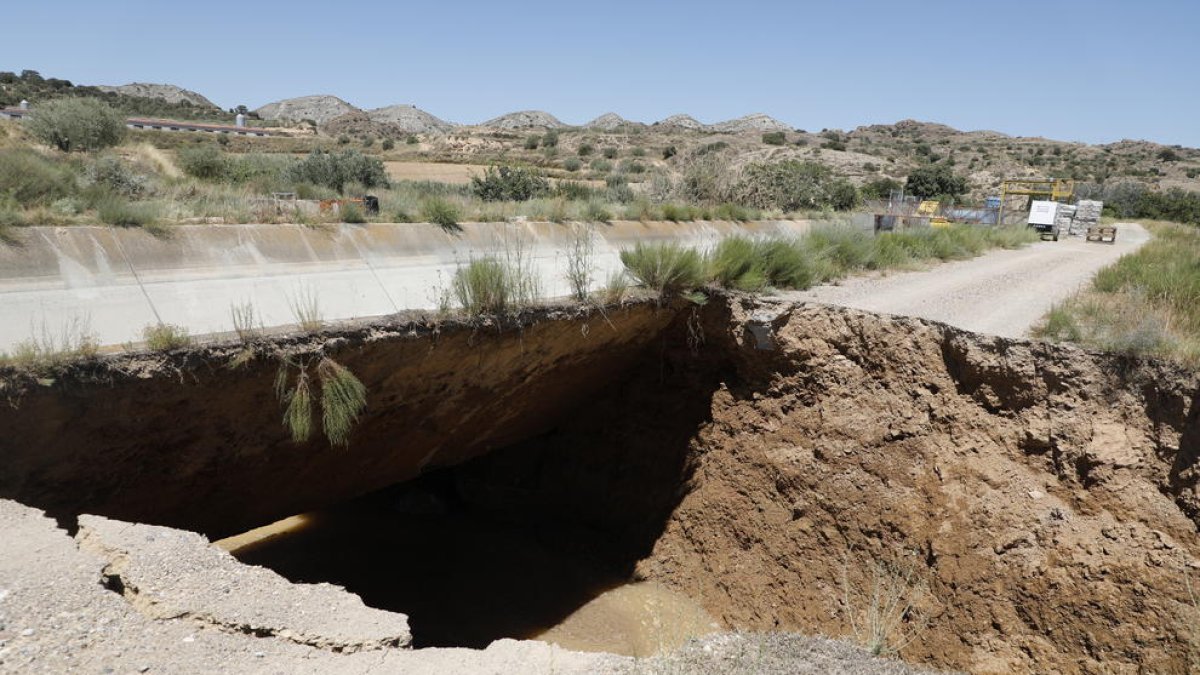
[(166, 573)]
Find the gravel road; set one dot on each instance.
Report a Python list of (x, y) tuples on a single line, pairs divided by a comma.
[(1001, 292)]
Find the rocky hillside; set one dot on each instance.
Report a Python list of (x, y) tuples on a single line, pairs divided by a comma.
[(410, 119), (166, 92), (681, 121), (525, 119), (750, 123), (611, 122), (318, 108)]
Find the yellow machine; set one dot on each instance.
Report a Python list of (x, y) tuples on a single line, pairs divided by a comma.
[(929, 209), (1053, 189)]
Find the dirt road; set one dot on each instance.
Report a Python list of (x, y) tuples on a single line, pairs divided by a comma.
[(1002, 293)]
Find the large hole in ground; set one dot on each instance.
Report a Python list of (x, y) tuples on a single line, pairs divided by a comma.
[(537, 540)]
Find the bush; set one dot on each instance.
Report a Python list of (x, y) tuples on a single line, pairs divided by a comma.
[(550, 139), (387, 144), (572, 164), (751, 265), (610, 153), (335, 171), (164, 337), (113, 175), (412, 140), (122, 213), (601, 165), (788, 186), (667, 268), (205, 162), (30, 179), (774, 138), (669, 152), (585, 149), (532, 142), (880, 188), (76, 124), (637, 152), (490, 286), (596, 212), (508, 183), (935, 181), (351, 213), (440, 212)]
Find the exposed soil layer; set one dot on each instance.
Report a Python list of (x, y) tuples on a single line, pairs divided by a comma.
[(192, 439), (1047, 495), (749, 454)]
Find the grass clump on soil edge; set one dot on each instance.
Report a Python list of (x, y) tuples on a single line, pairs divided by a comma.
[(1148, 302)]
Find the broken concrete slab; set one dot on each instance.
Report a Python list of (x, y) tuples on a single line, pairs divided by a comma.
[(173, 574)]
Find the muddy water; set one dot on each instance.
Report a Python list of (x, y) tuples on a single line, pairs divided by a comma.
[(466, 579)]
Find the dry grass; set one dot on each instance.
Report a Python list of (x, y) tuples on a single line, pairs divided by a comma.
[(884, 604), (50, 347), (1148, 302), (164, 337)]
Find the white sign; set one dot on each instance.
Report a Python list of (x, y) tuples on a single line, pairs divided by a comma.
[(1042, 213)]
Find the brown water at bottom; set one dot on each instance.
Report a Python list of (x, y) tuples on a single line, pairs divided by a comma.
[(465, 580)]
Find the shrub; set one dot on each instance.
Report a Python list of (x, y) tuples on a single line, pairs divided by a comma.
[(205, 162), (669, 152), (880, 188), (163, 337), (581, 253), (774, 138), (601, 165), (573, 190), (387, 144), (585, 149), (80, 124), (412, 140), (842, 195), (352, 213), (637, 152), (550, 139), (343, 398), (490, 286), (30, 179), (509, 183), (610, 153), (113, 175), (532, 142), (788, 185), (122, 213), (440, 212), (596, 212), (572, 164), (935, 181), (839, 146), (667, 268), (335, 171)]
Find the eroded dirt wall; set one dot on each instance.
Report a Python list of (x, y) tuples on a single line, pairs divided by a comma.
[(189, 440), (1046, 495)]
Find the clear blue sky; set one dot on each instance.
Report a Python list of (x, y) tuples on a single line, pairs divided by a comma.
[(1089, 70)]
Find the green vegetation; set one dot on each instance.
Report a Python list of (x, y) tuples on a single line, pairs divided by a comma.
[(774, 138), (164, 337), (31, 86), (440, 212), (51, 348), (1148, 302), (936, 181), (510, 183), (336, 170), (343, 398), (666, 268), (493, 285), (793, 185), (76, 124)]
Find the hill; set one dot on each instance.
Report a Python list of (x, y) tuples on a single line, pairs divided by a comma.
[(525, 119), (165, 92), (319, 108), (410, 119)]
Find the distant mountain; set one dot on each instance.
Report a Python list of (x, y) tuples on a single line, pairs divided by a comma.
[(611, 122), (682, 122), (320, 108), (525, 119), (754, 122), (167, 92), (410, 119)]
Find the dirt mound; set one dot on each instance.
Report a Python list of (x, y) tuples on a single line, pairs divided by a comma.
[(755, 122), (525, 119), (319, 108), (410, 119), (167, 92)]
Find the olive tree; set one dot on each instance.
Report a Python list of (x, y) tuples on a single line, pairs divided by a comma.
[(77, 124)]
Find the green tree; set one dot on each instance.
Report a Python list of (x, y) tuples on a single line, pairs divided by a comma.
[(79, 124), (935, 181)]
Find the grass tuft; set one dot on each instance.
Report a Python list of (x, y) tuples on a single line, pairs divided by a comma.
[(164, 337), (343, 398), (667, 268)]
